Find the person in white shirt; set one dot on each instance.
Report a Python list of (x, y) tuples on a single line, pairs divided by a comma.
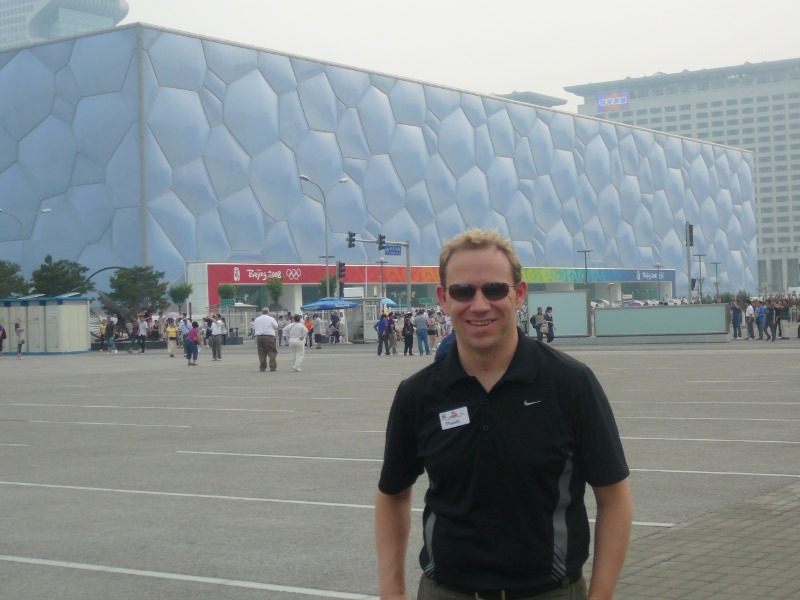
[(295, 332), (265, 328), (749, 319), (215, 338)]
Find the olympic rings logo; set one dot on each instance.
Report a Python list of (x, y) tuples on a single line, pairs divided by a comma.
[(293, 274)]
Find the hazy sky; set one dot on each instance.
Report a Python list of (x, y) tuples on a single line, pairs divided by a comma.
[(499, 46)]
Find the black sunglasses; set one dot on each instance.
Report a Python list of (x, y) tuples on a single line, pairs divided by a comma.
[(464, 292)]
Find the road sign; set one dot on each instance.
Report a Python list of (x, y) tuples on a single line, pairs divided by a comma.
[(425, 300), (392, 250), (227, 302)]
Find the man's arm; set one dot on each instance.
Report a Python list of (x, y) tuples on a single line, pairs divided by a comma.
[(611, 536), (392, 526)]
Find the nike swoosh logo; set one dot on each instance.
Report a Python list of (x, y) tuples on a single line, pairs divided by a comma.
[(531, 403)]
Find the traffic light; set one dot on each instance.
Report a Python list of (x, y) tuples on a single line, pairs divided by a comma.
[(340, 270), (381, 241), (351, 239)]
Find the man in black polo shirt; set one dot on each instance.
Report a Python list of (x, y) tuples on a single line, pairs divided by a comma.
[(509, 431)]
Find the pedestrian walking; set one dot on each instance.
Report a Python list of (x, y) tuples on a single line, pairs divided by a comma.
[(20, 331), (215, 338), (295, 333), (171, 332), (265, 328), (192, 344)]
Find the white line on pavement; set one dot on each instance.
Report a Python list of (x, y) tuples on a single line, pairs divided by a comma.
[(110, 424), (199, 408), (377, 460), (707, 419), (726, 473), (253, 585), (14, 445), (236, 498), (668, 439)]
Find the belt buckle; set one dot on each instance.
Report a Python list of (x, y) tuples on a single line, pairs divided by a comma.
[(479, 597)]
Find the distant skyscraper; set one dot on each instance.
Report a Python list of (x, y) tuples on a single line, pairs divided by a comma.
[(752, 106), (29, 21)]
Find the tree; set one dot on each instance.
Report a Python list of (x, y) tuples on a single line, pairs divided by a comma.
[(180, 293), (139, 288), (275, 291), (11, 280), (226, 291), (54, 278), (322, 289)]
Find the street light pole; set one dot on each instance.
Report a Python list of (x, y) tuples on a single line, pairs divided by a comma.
[(700, 278), (716, 276), (21, 223), (585, 267), (658, 267), (325, 211), (382, 261)]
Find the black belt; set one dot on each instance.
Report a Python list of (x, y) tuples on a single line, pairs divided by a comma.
[(265, 335), (516, 594)]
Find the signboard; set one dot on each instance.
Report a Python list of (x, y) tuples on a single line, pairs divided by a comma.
[(613, 101), (425, 300), (392, 250), (227, 302)]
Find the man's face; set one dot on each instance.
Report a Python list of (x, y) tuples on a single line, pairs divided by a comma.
[(480, 324)]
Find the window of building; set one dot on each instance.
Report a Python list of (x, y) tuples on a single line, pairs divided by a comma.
[(671, 128), (656, 110), (655, 120), (747, 130), (747, 111), (778, 107), (685, 107), (641, 121), (779, 127), (731, 102), (732, 112), (766, 220), (669, 109), (686, 127), (641, 111), (701, 105), (717, 123), (764, 129), (794, 95), (778, 97), (762, 99), (766, 210), (779, 138), (765, 169), (670, 119), (762, 109), (627, 113), (768, 230), (778, 117), (733, 141), (747, 100), (731, 132), (784, 229), (716, 103), (718, 134), (703, 125), (685, 117), (764, 138), (749, 141), (702, 115), (702, 135), (716, 113)]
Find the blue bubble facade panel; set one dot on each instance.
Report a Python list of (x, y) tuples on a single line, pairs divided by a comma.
[(152, 146)]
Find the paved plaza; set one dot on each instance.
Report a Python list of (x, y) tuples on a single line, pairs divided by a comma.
[(137, 477)]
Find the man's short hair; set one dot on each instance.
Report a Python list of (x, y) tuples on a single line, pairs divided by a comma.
[(264, 310), (478, 239)]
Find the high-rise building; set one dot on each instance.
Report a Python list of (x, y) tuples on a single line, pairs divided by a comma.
[(29, 21), (752, 106)]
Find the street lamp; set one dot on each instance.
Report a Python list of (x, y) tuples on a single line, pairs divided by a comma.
[(382, 261), (21, 224), (585, 267), (700, 278), (325, 211), (658, 267), (716, 276)]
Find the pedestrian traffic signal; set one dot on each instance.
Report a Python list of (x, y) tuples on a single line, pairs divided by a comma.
[(381, 242), (351, 239), (340, 270)]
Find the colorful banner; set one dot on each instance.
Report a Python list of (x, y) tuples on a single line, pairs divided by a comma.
[(613, 101)]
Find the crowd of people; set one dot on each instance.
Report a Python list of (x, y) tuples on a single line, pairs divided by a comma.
[(769, 317), (428, 326)]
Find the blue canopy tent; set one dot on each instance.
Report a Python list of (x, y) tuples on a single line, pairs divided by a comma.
[(329, 303)]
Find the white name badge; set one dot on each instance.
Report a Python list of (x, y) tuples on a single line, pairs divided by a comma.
[(454, 418)]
